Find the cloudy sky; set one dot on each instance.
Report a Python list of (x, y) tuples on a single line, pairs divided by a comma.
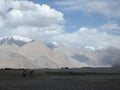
[(76, 22)]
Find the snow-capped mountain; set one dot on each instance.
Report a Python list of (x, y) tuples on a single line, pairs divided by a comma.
[(20, 41), (21, 52)]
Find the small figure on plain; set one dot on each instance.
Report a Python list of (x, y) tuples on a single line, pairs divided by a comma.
[(24, 73), (31, 72)]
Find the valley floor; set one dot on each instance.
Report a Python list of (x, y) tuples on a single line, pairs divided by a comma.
[(59, 80), (56, 84)]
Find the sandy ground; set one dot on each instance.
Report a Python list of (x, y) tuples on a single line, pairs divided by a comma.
[(53, 82)]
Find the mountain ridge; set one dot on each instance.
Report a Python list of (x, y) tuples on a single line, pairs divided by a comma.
[(34, 54), (18, 40)]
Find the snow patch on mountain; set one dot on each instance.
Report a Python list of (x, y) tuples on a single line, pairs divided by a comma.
[(90, 48), (21, 38), (18, 40), (93, 48)]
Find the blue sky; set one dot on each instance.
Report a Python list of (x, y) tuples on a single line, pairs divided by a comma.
[(77, 18), (81, 23), (99, 14)]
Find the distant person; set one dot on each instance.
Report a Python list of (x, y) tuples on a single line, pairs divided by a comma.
[(31, 72), (24, 73)]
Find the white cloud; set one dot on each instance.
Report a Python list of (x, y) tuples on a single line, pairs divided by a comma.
[(23, 17), (2, 6), (33, 14), (43, 23), (110, 8), (110, 26), (89, 37), (1, 22), (106, 57), (98, 7)]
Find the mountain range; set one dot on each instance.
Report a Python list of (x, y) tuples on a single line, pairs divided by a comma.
[(22, 52)]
